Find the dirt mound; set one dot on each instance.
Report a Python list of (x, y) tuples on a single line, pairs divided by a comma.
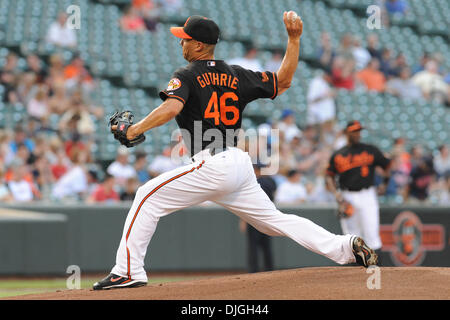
[(297, 284)]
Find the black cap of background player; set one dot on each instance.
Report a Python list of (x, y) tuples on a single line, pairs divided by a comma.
[(292, 173), (198, 28), (353, 126)]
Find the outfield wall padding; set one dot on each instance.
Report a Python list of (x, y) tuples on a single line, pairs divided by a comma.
[(197, 239)]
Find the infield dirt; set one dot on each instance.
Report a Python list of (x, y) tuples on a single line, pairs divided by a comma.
[(322, 283)]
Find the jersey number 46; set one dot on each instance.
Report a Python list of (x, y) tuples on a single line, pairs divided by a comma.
[(218, 109)]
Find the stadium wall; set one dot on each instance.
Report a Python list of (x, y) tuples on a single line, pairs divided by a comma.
[(197, 239)]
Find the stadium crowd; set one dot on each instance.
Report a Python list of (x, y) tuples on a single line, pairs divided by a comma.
[(40, 161)]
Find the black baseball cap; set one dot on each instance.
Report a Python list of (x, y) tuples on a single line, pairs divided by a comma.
[(292, 173), (198, 28), (353, 126)]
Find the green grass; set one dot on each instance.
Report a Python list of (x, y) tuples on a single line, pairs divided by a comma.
[(16, 287)]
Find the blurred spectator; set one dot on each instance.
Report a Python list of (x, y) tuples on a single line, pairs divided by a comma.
[(6, 152), (10, 65), (73, 142), (343, 73), (23, 154), (5, 194), (27, 88), (397, 66), (130, 189), (371, 77), (431, 82), (345, 49), (417, 156), (291, 192), (339, 141), (248, 61), (143, 5), (38, 106), (43, 176), (326, 52), (56, 69), (422, 62), (308, 158), (59, 102), (8, 78), (386, 62), (441, 161), (321, 105), (131, 21), (287, 158), (59, 34), (92, 178), (440, 191), (360, 54), (140, 165), (399, 178), (396, 7), (76, 75), (105, 191), (41, 147), (172, 7), (373, 46), (62, 164), (287, 125), (404, 87), (78, 112), (149, 10), (447, 78), (275, 62), (163, 162), (74, 183), (316, 188), (399, 151), (36, 67), (20, 137), (20, 188), (121, 169), (421, 178)]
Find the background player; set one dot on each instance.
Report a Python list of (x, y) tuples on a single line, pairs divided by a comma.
[(209, 94), (353, 169)]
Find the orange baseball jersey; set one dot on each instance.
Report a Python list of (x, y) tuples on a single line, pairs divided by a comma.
[(355, 166), (214, 95)]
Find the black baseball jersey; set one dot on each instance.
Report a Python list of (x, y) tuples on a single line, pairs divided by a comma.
[(355, 166), (214, 95)]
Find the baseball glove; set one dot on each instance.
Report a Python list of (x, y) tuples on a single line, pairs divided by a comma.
[(123, 120), (345, 209)]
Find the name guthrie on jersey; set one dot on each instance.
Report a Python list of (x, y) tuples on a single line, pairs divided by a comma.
[(217, 79)]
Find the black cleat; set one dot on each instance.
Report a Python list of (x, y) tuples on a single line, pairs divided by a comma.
[(113, 281), (364, 255)]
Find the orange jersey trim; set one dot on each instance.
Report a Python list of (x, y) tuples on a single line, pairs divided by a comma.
[(176, 97), (142, 202), (275, 86)]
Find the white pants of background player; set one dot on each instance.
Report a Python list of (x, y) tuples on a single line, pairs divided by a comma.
[(365, 222), (228, 179)]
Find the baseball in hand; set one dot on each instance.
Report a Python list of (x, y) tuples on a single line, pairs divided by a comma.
[(291, 15)]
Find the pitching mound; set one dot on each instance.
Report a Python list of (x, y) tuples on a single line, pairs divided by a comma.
[(297, 284)]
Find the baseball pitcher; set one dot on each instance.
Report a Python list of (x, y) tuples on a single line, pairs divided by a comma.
[(208, 97)]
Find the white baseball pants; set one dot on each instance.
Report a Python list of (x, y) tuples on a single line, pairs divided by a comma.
[(365, 221), (228, 179)]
